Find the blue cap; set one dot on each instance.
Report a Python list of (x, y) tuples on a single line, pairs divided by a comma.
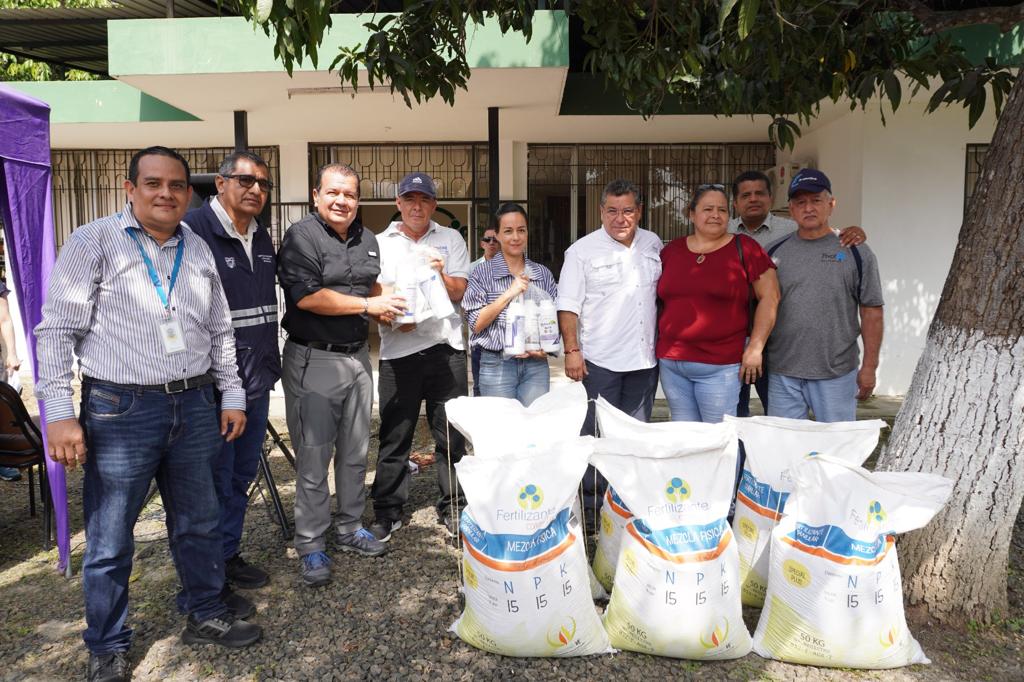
[(809, 180), (417, 182)]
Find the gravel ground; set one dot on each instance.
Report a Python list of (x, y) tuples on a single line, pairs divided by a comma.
[(384, 618)]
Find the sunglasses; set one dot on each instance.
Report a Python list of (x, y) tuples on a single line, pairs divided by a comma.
[(248, 181), (488, 240)]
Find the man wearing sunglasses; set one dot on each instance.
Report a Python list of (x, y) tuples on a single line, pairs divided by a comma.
[(244, 254)]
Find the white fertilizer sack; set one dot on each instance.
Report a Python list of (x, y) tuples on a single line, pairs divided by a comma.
[(676, 587), (774, 445), (615, 515), (525, 574), (834, 592), (501, 425)]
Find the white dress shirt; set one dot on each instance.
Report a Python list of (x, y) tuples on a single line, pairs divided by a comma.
[(395, 248), (613, 289), (229, 227)]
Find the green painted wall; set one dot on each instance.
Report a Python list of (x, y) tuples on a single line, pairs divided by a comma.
[(232, 45), (100, 102)]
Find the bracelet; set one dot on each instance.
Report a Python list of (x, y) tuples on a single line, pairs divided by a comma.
[(366, 306), (571, 351)]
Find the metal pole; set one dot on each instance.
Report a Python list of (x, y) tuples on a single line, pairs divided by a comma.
[(493, 173), (169, 6), (241, 131)]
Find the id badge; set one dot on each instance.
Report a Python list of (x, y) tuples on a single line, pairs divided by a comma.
[(174, 338)]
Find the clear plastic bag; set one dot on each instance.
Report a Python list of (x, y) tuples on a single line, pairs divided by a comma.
[(531, 324)]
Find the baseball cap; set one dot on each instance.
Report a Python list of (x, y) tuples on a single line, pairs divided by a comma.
[(809, 180), (417, 182)]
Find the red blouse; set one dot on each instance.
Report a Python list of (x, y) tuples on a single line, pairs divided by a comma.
[(703, 308)]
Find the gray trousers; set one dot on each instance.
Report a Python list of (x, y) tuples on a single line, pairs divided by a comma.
[(328, 397)]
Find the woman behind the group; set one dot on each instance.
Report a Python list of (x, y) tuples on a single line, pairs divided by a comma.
[(704, 298), (493, 285)]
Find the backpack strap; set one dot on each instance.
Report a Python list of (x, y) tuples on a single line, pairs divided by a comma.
[(776, 245), (860, 271)]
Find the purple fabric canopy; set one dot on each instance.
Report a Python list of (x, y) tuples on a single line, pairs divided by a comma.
[(27, 210)]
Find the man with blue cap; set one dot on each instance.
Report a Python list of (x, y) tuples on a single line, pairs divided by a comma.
[(831, 295)]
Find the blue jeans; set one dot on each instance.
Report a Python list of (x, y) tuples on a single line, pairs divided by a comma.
[(700, 392), (474, 367), (133, 437), (235, 469), (831, 400), (522, 379)]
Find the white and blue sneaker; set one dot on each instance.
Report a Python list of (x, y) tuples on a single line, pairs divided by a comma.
[(361, 542)]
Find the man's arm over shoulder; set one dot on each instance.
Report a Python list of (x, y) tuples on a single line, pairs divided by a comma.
[(67, 315)]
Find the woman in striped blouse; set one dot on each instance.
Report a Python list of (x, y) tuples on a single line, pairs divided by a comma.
[(493, 285)]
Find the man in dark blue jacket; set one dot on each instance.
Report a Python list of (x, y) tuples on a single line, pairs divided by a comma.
[(245, 260)]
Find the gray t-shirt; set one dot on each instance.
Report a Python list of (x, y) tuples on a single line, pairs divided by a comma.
[(815, 336)]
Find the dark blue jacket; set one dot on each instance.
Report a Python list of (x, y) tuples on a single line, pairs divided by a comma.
[(252, 297)]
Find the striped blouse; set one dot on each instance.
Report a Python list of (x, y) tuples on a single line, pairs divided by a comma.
[(487, 283)]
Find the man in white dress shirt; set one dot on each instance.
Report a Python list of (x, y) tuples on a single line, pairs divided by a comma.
[(608, 316)]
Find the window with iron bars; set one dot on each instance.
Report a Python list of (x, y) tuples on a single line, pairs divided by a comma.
[(565, 183), (89, 183)]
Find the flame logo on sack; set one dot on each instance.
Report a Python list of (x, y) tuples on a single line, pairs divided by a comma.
[(530, 496), (717, 636), (876, 515), (888, 637), (563, 635), (677, 490)]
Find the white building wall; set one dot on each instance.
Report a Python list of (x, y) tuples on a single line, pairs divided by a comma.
[(903, 182)]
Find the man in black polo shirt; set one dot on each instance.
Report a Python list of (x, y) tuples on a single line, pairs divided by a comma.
[(328, 267)]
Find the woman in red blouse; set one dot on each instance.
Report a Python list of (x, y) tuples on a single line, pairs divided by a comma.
[(704, 296)]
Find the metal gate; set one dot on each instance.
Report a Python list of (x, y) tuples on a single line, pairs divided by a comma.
[(565, 183)]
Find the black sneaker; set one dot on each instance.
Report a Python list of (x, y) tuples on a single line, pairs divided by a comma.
[(240, 607), (226, 631), (383, 528), (109, 667), (244, 575)]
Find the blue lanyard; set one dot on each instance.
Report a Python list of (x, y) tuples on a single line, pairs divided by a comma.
[(153, 276)]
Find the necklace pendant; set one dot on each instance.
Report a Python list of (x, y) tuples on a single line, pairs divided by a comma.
[(700, 259)]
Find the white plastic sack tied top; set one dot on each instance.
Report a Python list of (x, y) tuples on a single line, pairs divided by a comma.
[(500, 426), (676, 587), (615, 515), (524, 566), (834, 591), (774, 446), (497, 426)]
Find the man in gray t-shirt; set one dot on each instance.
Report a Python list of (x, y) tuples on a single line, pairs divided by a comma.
[(831, 294)]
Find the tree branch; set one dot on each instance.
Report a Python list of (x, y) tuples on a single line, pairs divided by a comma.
[(935, 21)]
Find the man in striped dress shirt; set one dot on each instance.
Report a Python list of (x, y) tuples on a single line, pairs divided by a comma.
[(137, 298)]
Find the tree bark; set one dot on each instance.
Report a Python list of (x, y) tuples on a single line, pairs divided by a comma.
[(964, 415)]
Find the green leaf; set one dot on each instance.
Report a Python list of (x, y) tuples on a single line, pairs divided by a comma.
[(725, 9), (748, 15)]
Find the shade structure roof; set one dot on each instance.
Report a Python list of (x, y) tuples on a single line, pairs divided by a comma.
[(77, 38)]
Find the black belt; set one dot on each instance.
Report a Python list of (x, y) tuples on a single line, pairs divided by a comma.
[(176, 386), (346, 348)]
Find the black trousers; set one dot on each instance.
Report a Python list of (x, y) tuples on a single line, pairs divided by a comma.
[(435, 375), (633, 393)]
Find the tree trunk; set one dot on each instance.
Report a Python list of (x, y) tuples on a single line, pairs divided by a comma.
[(964, 415)]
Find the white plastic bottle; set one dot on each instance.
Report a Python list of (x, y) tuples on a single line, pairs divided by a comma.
[(532, 326), (408, 288), (548, 322), (515, 328)]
